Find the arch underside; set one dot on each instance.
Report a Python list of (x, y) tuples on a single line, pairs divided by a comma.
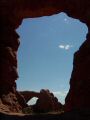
[(12, 13)]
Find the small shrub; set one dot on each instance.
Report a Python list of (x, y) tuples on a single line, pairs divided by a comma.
[(27, 110)]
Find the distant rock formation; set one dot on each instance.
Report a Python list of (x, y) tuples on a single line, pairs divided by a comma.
[(46, 101)]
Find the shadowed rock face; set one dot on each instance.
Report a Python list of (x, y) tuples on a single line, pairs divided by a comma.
[(47, 102), (12, 13), (78, 96)]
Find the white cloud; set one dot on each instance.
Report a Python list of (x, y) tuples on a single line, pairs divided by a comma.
[(65, 47), (66, 20), (61, 46)]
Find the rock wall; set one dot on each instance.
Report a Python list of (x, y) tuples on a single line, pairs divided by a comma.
[(78, 96), (12, 13), (10, 99)]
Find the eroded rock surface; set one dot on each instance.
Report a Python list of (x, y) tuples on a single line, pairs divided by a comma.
[(12, 13)]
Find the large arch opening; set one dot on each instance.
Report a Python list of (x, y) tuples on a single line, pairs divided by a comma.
[(46, 52), (12, 15)]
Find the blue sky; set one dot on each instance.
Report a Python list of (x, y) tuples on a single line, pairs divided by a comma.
[(45, 55)]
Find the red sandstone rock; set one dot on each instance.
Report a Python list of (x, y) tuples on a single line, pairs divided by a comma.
[(12, 13)]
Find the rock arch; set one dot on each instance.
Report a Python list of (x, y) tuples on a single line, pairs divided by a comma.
[(28, 95), (46, 100), (12, 13)]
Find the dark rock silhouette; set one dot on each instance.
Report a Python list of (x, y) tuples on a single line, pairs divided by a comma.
[(78, 95), (71, 115), (46, 101), (12, 13)]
